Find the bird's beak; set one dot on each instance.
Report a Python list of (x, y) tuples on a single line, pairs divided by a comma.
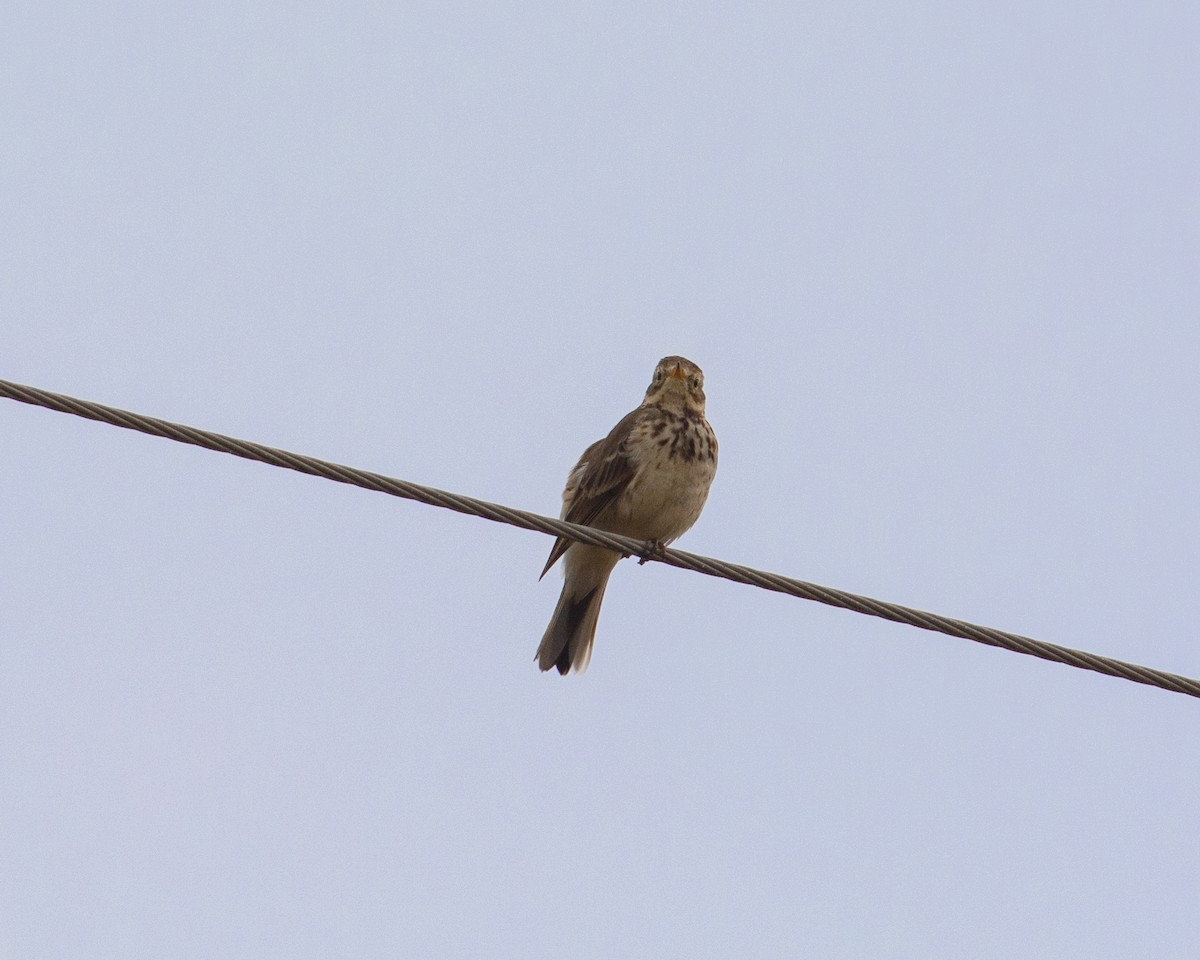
[(677, 373)]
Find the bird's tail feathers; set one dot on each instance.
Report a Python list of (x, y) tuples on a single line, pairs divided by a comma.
[(567, 643)]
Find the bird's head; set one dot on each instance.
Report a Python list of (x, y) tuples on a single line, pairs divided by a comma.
[(677, 383)]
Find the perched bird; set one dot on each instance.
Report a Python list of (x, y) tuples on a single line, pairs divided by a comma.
[(647, 479)]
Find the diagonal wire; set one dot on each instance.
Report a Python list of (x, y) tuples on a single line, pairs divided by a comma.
[(627, 545)]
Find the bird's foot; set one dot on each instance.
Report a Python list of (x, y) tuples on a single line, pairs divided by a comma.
[(654, 551)]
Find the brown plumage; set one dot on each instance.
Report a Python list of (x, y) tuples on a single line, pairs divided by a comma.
[(649, 479)]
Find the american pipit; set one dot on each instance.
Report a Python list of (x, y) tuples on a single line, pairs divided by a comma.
[(648, 479)]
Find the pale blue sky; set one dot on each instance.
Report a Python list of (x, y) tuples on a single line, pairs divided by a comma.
[(939, 263)]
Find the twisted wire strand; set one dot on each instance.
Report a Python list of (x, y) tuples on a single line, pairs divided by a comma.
[(249, 450)]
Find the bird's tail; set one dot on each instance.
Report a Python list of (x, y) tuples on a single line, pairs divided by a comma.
[(567, 643)]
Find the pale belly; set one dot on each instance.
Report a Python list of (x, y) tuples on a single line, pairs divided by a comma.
[(664, 499)]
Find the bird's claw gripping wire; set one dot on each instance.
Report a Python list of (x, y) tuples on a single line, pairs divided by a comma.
[(654, 551)]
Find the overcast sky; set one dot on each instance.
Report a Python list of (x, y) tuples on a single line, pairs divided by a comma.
[(941, 266)]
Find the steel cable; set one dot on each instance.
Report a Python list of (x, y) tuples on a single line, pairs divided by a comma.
[(626, 545)]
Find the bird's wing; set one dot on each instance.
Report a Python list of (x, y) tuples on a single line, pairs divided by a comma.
[(602, 474)]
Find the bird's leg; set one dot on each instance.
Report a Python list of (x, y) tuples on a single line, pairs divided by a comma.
[(654, 551)]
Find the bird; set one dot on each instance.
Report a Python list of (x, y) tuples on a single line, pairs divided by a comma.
[(649, 479)]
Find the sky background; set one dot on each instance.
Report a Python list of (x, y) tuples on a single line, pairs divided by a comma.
[(939, 263)]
